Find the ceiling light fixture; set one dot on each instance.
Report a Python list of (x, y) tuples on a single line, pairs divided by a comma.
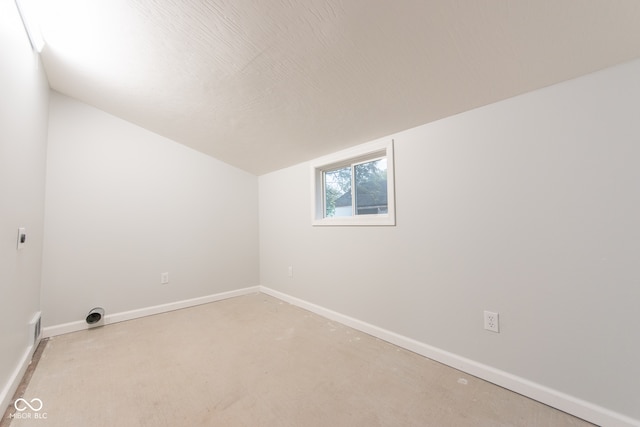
[(27, 14)]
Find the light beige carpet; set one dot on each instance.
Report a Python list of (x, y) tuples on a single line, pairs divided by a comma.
[(256, 361)]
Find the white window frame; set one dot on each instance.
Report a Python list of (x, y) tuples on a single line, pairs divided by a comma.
[(359, 154)]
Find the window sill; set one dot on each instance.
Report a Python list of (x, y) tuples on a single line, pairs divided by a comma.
[(363, 220)]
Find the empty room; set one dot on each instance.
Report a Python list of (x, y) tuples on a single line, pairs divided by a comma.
[(319, 213)]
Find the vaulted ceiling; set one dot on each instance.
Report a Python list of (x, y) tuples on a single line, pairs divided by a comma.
[(264, 84)]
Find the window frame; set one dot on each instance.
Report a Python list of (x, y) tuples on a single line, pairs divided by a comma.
[(351, 157)]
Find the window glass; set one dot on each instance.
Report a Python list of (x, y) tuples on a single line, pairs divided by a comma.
[(371, 187), (337, 190)]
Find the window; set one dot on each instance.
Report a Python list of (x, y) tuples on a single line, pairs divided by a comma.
[(354, 187)]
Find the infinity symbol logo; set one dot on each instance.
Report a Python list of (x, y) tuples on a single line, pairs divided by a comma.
[(36, 407)]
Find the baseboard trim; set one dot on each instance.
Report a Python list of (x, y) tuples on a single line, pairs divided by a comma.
[(16, 377), (564, 402), (65, 328)]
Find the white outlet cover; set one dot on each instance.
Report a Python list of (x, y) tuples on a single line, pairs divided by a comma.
[(492, 321)]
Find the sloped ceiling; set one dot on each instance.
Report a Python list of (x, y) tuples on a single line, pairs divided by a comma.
[(266, 84)]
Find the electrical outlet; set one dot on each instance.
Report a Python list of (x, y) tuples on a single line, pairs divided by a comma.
[(290, 271), (164, 278), (492, 321)]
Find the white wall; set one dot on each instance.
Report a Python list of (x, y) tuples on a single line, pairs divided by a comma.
[(23, 130), (124, 205), (529, 207)]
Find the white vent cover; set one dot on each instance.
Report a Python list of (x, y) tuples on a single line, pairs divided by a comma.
[(35, 329)]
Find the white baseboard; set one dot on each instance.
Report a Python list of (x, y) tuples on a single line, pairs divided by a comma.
[(564, 402), (80, 325), (16, 377)]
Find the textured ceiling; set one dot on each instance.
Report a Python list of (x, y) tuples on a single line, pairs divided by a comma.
[(266, 84)]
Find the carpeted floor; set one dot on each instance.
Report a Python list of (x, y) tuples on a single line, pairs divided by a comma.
[(256, 361)]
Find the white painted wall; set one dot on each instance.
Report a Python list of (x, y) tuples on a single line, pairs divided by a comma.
[(23, 130), (124, 205), (529, 207)]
